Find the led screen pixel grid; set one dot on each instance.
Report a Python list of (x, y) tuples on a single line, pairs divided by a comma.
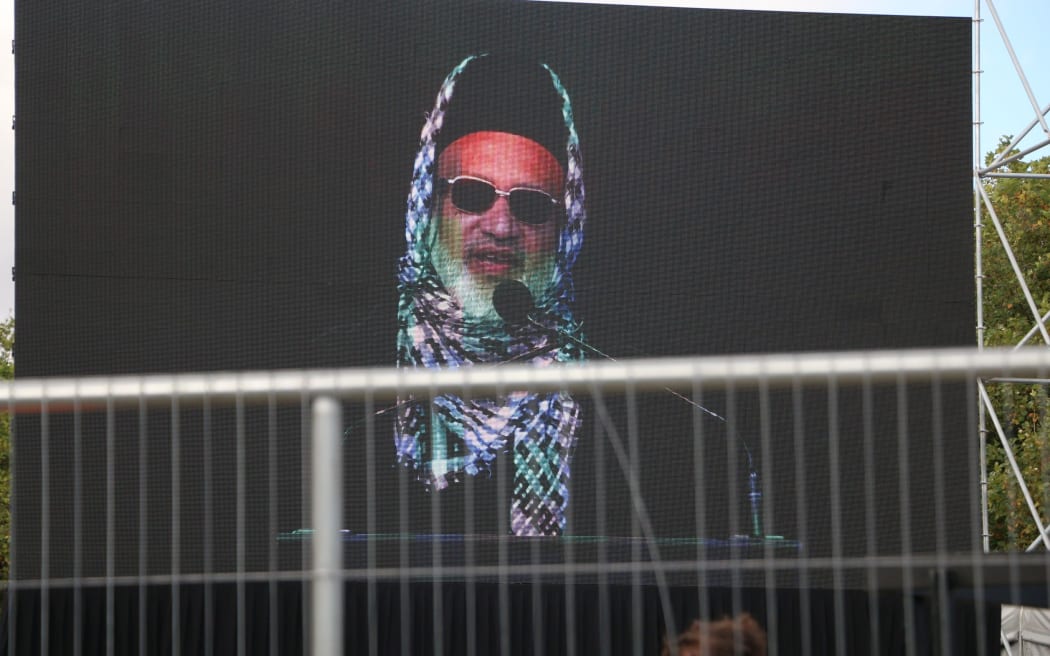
[(205, 187)]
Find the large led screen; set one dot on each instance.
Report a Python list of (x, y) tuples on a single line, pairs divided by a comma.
[(244, 186)]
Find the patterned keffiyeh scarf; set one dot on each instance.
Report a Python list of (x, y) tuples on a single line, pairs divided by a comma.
[(448, 437)]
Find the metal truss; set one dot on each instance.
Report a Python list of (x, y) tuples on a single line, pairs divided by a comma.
[(983, 208)]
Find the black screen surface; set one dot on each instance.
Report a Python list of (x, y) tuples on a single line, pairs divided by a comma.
[(222, 186)]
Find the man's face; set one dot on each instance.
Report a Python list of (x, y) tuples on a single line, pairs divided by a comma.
[(475, 251)]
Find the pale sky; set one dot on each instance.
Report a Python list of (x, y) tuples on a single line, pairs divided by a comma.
[(1005, 106)]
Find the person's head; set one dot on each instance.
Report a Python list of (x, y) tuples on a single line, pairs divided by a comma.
[(738, 636), (501, 198)]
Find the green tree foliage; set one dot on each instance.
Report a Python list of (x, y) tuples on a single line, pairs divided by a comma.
[(7, 372), (1023, 209)]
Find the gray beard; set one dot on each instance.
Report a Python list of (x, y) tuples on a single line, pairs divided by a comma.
[(474, 297)]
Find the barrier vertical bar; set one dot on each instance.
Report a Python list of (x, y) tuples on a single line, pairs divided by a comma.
[(209, 529), (45, 528), (111, 526), (271, 442), (327, 514), (242, 602), (78, 532), (143, 528), (176, 528)]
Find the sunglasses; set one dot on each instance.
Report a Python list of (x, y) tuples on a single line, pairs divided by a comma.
[(475, 196)]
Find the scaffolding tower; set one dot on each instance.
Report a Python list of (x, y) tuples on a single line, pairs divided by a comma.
[(1026, 142)]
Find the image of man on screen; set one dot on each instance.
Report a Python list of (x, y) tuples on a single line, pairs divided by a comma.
[(496, 199)]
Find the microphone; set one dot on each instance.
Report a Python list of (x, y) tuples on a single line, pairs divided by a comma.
[(515, 304)]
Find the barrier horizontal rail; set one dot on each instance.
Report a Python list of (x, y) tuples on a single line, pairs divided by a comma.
[(641, 374), (996, 569)]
